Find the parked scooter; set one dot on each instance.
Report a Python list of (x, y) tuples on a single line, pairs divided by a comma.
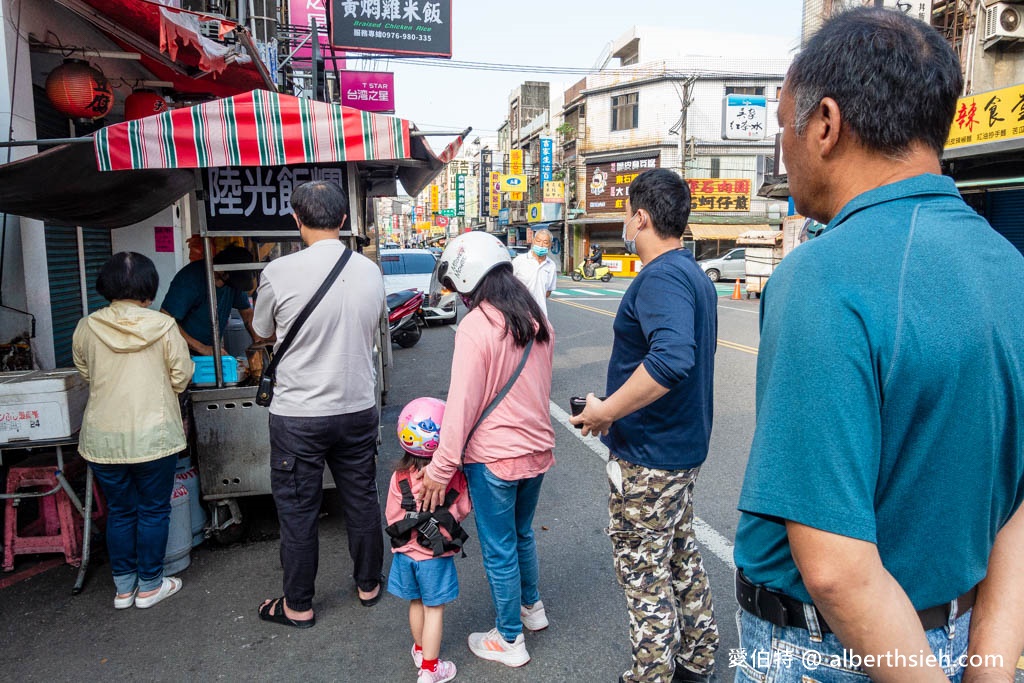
[(404, 317), (602, 273)]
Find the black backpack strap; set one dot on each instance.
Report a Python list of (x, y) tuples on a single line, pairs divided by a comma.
[(501, 394), (408, 500), (271, 369)]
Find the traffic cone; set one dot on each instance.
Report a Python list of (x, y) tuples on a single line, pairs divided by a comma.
[(736, 295)]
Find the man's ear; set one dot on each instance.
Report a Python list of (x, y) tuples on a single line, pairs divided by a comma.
[(343, 219), (298, 223), (829, 122)]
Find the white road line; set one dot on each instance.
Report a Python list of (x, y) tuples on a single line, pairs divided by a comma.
[(741, 310), (587, 292), (587, 298), (713, 541)]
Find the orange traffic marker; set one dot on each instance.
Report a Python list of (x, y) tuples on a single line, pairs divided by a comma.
[(736, 292)]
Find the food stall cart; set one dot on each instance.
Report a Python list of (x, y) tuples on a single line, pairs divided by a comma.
[(261, 143), (763, 253)]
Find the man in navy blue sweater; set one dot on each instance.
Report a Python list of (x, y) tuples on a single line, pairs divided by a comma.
[(656, 423)]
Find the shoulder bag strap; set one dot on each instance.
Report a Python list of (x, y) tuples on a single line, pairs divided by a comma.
[(305, 313), (501, 394)]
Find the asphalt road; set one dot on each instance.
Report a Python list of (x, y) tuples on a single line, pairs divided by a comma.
[(210, 630)]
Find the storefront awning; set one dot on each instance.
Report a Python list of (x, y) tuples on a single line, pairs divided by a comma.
[(258, 128), (703, 231)]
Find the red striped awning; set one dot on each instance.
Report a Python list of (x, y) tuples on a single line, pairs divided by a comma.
[(258, 128)]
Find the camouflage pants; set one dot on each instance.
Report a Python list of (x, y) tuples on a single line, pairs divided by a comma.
[(671, 619)]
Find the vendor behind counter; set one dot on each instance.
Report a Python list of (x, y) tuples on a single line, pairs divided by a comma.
[(188, 303)]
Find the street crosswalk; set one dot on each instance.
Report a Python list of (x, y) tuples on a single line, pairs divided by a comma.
[(592, 292)]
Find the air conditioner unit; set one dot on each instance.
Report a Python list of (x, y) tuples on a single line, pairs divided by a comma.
[(1004, 22)]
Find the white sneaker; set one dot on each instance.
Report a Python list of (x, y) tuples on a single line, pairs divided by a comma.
[(445, 672), (534, 618), (417, 657), (492, 646)]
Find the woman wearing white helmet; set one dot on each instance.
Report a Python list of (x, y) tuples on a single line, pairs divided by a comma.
[(496, 425)]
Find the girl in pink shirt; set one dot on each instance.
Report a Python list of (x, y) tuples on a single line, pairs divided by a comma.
[(497, 426), (423, 561)]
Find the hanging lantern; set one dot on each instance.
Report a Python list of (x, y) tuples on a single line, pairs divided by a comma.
[(77, 90), (142, 103)]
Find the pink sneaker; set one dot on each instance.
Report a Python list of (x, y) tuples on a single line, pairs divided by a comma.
[(445, 672), (417, 657)]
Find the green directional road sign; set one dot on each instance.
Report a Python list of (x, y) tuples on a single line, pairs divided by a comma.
[(450, 213)]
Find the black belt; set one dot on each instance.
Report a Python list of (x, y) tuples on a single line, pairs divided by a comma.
[(781, 610)]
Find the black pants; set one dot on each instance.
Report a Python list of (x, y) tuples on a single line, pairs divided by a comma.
[(299, 449)]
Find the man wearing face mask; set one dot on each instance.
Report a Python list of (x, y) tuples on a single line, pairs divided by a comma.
[(656, 423), (535, 270)]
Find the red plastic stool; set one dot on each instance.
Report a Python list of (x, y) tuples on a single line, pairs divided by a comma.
[(59, 526)]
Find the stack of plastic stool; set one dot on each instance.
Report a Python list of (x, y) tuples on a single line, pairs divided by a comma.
[(58, 528)]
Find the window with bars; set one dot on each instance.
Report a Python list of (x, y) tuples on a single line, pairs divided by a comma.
[(626, 111)]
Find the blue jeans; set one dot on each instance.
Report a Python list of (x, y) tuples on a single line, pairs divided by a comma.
[(791, 655), (138, 516), (504, 517)]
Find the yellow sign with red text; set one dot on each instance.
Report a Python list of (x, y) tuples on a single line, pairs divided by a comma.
[(992, 116), (515, 167), (719, 194), (435, 199)]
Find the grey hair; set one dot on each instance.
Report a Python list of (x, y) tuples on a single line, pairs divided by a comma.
[(543, 231), (896, 80)]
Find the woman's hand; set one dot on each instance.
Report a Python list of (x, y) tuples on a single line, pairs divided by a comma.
[(431, 493)]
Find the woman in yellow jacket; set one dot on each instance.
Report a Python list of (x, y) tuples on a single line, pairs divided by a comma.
[(136, 362)]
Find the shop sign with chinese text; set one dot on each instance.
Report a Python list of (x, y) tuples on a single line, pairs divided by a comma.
[(414, 27), (554, 192), (303, 13), (744, 117), (435, 199), (368, 90), (719, 194), (259, 197), (608, 183), (515, 168), (460, 194), (495, 193), (547, 159), (992, 116)]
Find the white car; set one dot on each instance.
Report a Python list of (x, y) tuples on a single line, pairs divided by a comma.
[(416, 269)]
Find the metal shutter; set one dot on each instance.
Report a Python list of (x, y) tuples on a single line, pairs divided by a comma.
[(65, 287), (1005, 212)]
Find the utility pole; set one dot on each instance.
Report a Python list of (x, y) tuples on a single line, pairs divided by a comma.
[(683, 111)]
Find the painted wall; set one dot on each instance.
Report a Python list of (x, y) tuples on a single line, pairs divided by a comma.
[(141, 238)]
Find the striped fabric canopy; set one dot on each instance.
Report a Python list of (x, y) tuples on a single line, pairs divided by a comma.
[(258, 128)]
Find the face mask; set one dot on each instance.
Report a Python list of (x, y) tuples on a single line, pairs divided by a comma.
[(630, 243), (540, 251)]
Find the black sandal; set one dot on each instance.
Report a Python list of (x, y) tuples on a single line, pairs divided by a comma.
[(267, 613), (370, 602)]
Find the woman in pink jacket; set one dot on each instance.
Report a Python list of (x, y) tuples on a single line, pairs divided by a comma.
[(506, 450)]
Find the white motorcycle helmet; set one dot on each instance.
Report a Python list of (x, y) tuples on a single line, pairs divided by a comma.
[(468, 258)]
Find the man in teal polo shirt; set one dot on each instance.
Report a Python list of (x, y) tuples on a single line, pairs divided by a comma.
[(882, 495)]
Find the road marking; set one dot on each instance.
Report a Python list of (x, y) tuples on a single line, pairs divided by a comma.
[(728, 344), (713, 541), (741, 310), (588, 292)]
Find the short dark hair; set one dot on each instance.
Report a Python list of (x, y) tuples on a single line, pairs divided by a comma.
[(320, 205), (665, 196), (896, 80), (128, 275)]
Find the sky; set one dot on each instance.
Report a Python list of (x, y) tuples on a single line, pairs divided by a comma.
[(565, 33)]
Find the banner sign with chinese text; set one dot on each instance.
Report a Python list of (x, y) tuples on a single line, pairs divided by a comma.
[(258, 198), (991, 116), (608, 183), (513, 184), (368, 90), (744, 117), (515, 168), (719, 194), (495, 193), (435, 199), (460, 194), (410, 27), (547, 159)]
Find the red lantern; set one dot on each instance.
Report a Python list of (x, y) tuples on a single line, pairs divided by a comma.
[(79, 91), (142, 103)]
